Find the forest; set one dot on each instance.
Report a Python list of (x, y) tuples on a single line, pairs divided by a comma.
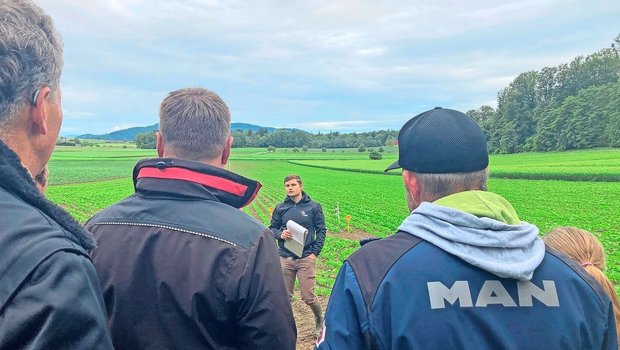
[(574, 105)]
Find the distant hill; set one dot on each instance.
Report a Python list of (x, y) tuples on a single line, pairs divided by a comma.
[(130, 133), (246, 127), (122, 135)]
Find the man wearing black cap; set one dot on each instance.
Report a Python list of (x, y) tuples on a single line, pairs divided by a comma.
[(463, 271)]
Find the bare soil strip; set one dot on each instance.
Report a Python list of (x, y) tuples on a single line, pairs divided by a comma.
[(354, 235), (303, 315), (305, 321)]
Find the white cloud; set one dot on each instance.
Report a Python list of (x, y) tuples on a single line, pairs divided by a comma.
[(77, 115), (316, 59), (372, 51), (334, 125), (123, 126)]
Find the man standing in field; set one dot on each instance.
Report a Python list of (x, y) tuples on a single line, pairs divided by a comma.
[(463, 271), (49, 292), (181, 267), (298, 207)]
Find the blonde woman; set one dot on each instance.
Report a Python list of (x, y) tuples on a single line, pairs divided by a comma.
[(585, 249)]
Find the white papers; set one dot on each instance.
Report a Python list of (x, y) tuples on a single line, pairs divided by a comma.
[(296, 244)]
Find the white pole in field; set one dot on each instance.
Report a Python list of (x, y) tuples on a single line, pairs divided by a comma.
[(338, 212)]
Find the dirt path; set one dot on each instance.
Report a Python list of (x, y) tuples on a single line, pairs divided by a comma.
[(354, 235), (305, 321), (304, 318)]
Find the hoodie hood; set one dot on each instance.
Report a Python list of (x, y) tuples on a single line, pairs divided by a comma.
[(481, 228)]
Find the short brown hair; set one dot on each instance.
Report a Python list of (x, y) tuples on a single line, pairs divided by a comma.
[(194, 123), (292, 177)]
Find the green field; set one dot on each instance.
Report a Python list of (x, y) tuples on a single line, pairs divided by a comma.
[(591, 165), (87, 179), (87, 164)]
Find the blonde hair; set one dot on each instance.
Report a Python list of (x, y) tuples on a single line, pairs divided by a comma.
[(585, 248)]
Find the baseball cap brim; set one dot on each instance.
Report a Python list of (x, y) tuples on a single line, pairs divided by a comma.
[(394, 165)]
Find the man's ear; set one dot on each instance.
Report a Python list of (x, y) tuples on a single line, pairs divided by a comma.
[(412, 184), (226, 151), (160, 145), (39, 111)]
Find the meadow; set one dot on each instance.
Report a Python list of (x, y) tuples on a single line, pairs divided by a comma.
[(87, 179), (590, 165)]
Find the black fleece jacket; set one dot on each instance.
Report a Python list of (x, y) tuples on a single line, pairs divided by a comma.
[(308, 214), (181, 267), (49, 293)]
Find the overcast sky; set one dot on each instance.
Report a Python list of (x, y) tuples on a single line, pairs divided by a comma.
[(314, 65)]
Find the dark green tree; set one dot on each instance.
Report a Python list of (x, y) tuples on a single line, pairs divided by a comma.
[(374, 155), (147, 140)]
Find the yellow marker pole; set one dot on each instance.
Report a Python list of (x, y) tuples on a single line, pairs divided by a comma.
[(348, 218), (270, 211)]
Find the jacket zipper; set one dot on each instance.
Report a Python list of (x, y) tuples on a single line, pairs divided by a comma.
[(165, 227)]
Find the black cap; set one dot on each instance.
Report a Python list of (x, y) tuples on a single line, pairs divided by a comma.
[(441, 141)]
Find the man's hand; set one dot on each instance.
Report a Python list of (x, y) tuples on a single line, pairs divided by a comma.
[(286, 234), (312, 256)]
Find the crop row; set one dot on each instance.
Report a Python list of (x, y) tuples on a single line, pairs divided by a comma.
[(599, 173), (83, 200), (376, 203)]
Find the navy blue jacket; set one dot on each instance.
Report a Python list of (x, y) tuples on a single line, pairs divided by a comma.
[(404, 293), (308, 214)]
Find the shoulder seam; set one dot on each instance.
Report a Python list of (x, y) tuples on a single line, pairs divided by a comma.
[(372, 293)]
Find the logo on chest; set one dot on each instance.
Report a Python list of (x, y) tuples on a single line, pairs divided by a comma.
[(303, 213)]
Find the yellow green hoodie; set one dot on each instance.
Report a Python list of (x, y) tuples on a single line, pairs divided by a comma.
[(481, 228)]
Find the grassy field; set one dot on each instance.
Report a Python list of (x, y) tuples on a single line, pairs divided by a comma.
[(377, 203), (591, 165), (88, 179)]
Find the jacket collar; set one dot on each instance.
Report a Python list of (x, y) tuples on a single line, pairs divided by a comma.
[(304, 198), (179, 178), (17, 180)]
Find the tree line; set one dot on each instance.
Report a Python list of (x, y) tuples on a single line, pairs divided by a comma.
[(287, 138), (571, 106), (297, 138)]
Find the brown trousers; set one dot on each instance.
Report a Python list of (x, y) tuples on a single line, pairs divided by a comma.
[(305, 269)]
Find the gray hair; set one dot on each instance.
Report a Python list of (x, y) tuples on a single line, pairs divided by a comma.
[(194, 124), (30, 56), (435, 186)]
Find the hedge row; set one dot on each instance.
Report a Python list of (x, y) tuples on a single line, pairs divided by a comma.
[(495, 174)]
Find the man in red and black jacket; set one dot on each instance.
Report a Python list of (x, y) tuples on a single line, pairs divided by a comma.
[(181, 267)]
